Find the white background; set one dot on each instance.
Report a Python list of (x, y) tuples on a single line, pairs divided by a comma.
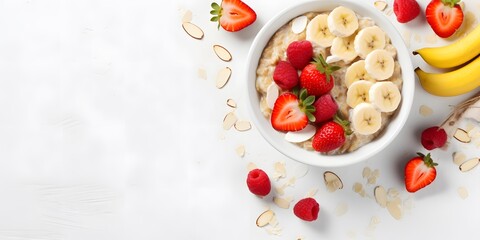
[(108, 132)]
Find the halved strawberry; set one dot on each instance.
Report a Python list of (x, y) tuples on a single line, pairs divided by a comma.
[(232, 15), (444, 16), (291, 113), (419, 172)]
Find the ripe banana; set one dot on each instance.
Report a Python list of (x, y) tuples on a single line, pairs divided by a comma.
[(342, 21), (366, 119), (318, 32), (454, 54), (457, 82)]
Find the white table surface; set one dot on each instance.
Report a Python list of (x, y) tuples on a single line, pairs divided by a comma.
[(108, 132)]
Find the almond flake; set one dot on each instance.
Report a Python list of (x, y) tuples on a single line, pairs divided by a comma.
[(393, 193), (301, 136), (223, 77), (462, 192), (311, 193), (282, 202), (425, 111), (394, 208), (469, 165), (202, 74), (192, 30), (251, 166), (332, 181), (222, 53), (265, 218), (462, 136), (474, 132), (380, 196), (380, 5), (371, 180), (187, 16), (229, 120), (243, 125), (341, 209), (291, 181), (240, 150), (366, 172), (459, 158), (299, 24), (281, 190), (358, 188), (280, 170), (231, 103), (272, 95), (376, 173)]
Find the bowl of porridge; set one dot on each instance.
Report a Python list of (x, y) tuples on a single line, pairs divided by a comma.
[(329, 83)]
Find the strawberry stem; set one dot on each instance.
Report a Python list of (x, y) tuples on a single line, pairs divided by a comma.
[(427, 159), (450, 3), (344, 123), (324, 67), (305, 104), (216, 12)]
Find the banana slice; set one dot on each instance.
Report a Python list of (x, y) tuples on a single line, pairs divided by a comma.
[(343, 48), (358, 93), (356, 72), (380, 64), (369, 39), (318, 32), (366, 119), (385, 96), (342, 22)]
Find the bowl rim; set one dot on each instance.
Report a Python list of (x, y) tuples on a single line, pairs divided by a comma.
[(359, 155)]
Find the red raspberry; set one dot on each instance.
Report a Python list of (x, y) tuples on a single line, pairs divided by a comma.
[(433, 137), (307, 209), (406, 10), (325, 108), (300, 53), (258, 182), (285, 75)]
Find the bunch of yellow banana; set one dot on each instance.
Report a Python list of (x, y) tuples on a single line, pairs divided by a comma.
[(463, 56)]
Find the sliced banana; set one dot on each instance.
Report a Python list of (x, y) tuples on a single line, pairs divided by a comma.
[(342, 22), (385, 96), (358, 93), (318, 32), (369, 39), (343, 48), (366, 119), (357, 72), (379, 64)]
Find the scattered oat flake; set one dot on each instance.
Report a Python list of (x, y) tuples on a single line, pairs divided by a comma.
[(357, 187), (243, 125), (376, 173), (394, 208), (299, 24), (231, 103), (380, 196), (380, 5), (281, 190), (366, 172), (425, 111), (193, 30), (332, 181), (265, 218), (222, 53), (341, 209), (187, 16), (251, 166), (371, 180), (462, 192), (240, 150), (202, 73), (311, 193), (229, 120), (459, 158), (469, 164), (223, 77), (282, 202)]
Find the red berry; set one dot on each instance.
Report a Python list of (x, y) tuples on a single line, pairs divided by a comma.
[(444, 16), (325, 108), (285, 75), (433, 137), (406, 10), (317, 77), (419, 172), (258, 182), (300, 53), (232, 15), (307, 209), (328, 137)]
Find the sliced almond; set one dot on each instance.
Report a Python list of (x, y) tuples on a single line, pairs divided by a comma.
[(223, 77), (474, 132), (332, 181), (380, 5), (394, 208), (462, 135), (380, 196), (265, 218), (187, 16), (376, 173), (229, 120), (462, 192), (272, 95), (222, 53), (393, 192), (240, 150), (281, 190), (358, 188), (459, 158), (251, 166), (302, 135), (366, 172), (280, 169), (192, 30), (243, 125), (372, 180), (299, 24), (231, 103), (469, 164), (311, 193), (425, 111), (282, 202)]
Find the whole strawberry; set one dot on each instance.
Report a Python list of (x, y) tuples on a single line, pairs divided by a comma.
[(331, 135), (300, 53), (307, 209), (258, 182), (433, 137), (325, 108), (419, 172), (406, 10), (317, 77), (285, 75)]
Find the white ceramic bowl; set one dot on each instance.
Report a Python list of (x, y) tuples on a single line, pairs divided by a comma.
[(276, 139)]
